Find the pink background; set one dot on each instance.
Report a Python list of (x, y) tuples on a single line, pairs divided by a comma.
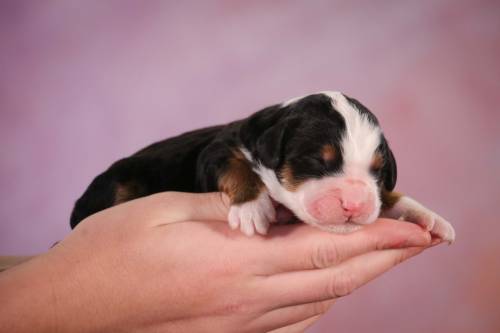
[(85, 83)]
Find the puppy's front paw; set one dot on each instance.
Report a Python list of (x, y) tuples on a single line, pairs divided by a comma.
[(416, 213), (253, 215)]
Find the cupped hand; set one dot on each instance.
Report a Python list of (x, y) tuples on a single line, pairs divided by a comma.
[(166, 263)]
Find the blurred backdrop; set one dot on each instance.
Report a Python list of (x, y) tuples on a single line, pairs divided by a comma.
[(84, 83)]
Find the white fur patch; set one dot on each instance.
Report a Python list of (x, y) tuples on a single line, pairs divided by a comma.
[(253, 216), (292, 200)]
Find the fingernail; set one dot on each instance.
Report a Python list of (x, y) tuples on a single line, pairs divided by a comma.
[(436, 241), (419, 239)]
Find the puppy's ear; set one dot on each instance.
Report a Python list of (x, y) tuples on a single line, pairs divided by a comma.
[(269, 145), (263, 134), (389, 169)]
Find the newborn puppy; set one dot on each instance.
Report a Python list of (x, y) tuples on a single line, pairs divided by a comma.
[(322, 156)]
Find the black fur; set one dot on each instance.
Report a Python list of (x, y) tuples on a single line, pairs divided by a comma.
[(306, 138), (389, 171), (168, 165)]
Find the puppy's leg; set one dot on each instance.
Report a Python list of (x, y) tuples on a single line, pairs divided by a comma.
[(398, 206), (251, 207)]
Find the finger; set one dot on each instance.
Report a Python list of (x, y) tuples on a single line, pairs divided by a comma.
[(298, 327), (291, 315), (313, 248), (316, 285), (180, 207)]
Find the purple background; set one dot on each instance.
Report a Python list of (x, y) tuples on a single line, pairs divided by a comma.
[(85, 83)]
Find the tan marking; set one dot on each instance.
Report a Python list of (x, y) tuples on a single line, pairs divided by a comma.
[(389, 199), (121, 194), (328, 153), (239, 181), (377, 161), (288, 179), (127, 191)]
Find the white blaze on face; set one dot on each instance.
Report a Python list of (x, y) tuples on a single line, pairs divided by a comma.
[(351, 196), (359, 142), (361, 137)]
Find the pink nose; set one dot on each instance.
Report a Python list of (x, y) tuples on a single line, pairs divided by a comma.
[(353, 197), (352, 207)]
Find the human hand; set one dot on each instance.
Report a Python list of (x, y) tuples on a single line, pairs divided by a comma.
[(166, 263)]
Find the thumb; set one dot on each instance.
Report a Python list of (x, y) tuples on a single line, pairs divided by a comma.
[(181, 206)]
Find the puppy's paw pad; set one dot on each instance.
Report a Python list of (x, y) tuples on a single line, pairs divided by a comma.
[(252, 216)]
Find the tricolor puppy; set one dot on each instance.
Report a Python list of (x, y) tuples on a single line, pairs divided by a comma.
[(322, 156)]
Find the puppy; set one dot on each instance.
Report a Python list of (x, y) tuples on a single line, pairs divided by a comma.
[(322, 156)]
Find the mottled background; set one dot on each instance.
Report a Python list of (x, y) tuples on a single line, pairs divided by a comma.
[(83, 83)]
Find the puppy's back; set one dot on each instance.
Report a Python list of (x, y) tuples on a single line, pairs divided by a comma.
[(168, 165)]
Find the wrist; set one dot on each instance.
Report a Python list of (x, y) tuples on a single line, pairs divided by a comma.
[(46, 294), (27, 298)]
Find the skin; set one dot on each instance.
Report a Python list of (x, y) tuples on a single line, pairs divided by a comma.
[(169, 263)]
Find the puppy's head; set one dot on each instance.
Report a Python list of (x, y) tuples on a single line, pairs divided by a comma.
[(325, 158)]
